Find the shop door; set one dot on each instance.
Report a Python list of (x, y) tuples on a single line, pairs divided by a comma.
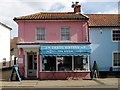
[(32, 64)]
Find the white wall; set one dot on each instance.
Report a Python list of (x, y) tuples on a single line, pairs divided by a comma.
[(4, 43)]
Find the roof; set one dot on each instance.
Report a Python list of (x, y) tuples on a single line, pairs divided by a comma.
[(5, 26), (53, 16), (95, 20), (103, 20)]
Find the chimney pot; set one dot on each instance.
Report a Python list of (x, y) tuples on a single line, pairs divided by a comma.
[(77, 8)]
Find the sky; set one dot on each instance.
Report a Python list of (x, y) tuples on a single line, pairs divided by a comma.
[(14, 8)]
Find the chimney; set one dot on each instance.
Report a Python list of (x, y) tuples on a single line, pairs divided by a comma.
[(77, 7)]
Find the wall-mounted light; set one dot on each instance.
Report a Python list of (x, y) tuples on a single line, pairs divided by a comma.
[(101, 31)]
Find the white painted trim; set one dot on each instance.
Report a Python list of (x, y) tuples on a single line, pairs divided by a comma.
[(56, 64), (37, 64), (72, 63), (112, 35), (53, 20), (113, 59), (88, 57), (26, 71), (40, 63), (28, 46), (69, 71)]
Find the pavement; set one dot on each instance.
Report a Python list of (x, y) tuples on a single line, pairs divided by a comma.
[(95, 83)]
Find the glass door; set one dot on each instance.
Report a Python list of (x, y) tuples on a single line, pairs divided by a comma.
[(32, 64)]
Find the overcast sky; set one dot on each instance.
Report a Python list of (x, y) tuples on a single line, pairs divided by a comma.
[(12, 8)]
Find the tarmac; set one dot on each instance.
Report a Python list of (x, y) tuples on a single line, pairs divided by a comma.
[(94, 83)]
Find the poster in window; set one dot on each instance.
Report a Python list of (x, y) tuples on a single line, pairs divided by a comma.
[(20, 60)]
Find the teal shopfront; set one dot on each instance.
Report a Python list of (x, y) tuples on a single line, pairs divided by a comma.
[(64, 59)]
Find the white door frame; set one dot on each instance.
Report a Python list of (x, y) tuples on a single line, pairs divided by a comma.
[(27, 50)]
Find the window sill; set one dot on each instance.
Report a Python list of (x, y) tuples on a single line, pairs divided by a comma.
[(69, 71), (116, 41), (65, 41), (116, 66), (40, 41)]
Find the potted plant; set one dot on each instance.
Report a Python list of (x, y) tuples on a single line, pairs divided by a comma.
[(95, 70)]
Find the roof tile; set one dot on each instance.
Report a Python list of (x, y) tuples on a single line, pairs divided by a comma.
[(53, 16), (103, 19)]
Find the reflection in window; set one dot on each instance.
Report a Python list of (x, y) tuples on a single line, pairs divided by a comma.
[(78, 63), (49, 63), (65, 64)]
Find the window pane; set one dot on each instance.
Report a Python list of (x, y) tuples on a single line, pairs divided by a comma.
[(116, 58), (116, 35), (65, 34), (41, 34), (65, 64), (78, 63), (30, 62), (49, 63)]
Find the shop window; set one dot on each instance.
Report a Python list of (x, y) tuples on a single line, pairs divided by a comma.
[(4, 61), (80, 63), (40, 34), (65, 34), (49, 63), (116, 59), (65, 64), (116, 35)]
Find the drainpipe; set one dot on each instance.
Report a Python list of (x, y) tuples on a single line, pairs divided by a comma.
[(88, 32)]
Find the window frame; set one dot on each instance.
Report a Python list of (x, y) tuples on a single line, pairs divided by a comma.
[(113, 59), (36, 35), (73, 68), (61, 34), (112, 35)]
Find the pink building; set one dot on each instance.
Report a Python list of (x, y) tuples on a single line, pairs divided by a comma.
[(54, 45)]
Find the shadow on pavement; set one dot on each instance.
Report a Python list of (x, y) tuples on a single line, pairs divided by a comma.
[(59, 88)]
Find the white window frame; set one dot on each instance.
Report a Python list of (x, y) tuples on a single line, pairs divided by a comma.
[(36, 35), (113, 59), (61, 35), (112, 35), (88, 70)]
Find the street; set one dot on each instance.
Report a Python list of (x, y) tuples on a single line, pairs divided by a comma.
[(101, 83)]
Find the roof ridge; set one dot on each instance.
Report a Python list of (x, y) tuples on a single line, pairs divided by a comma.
[(5, 26)]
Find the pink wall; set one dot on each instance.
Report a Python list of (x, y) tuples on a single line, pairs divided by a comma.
[(64, 75), (78, 30)]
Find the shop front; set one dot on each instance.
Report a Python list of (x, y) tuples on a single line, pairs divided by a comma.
[(67, 61)]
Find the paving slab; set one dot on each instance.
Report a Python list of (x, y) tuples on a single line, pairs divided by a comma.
[(111, 82)]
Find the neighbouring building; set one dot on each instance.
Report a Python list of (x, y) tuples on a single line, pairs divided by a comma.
[(104, 34), (14, 51), (4, 46), (54, 45)]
